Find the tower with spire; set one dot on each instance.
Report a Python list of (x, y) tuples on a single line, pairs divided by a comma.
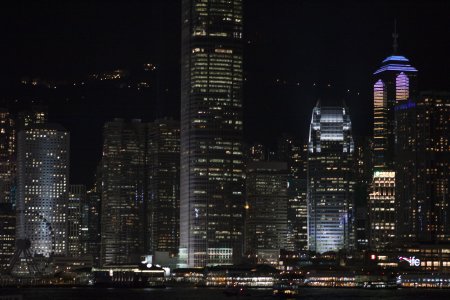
[(393, 82)]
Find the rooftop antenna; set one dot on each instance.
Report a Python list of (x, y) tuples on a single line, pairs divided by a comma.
[(395, 37)]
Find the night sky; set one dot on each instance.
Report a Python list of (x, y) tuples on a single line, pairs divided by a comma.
[(296, 52)]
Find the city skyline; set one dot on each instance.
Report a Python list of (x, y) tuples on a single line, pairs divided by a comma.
[(66, 53), (255, 145)]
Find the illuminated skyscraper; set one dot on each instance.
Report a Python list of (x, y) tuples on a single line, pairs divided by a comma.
[(42, 183), (266, 222), (395, 82), (423, 168), (124, 205), (330, 180), (164, 185), (211, 221), (382, 211), (7, 157)]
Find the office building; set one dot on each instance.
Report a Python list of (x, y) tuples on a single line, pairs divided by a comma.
[(394, 82), (123, 201), (212, 180), (330, 180), (423, 168), (382, 211), (76, 196), (42, 185), (164, 185), (90, 225), (266, 223)]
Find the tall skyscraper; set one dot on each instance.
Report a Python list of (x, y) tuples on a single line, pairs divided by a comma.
[(211, 220), (124, 197), (42, 180), (395, 81), (330, 180), (423, 168), (266, 223), (164, 185), (76, 197), (7, 157)]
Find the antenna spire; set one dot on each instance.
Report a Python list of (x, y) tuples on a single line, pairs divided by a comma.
[(395, 37)]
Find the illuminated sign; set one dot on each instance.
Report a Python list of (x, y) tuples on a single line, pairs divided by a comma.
[(413, 261)]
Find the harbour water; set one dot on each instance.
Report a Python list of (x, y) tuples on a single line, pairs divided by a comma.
[(178, 293)]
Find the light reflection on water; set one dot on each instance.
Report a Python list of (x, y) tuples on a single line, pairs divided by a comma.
[(217, 294)]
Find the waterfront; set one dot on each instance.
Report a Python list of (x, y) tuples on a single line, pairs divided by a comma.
[(217, 294)]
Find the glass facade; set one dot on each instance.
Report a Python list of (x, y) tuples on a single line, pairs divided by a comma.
[(330, 180), (212, 179), (42, 180)]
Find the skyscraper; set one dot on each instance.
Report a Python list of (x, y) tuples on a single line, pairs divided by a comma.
[(266, 223), (423, 168), (395, 81), (211, 190), (42, 180), (164, 185), (124, 203), (330, 180)]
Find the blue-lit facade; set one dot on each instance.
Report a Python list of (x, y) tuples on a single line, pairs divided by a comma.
[(394, 82), (330, 180)]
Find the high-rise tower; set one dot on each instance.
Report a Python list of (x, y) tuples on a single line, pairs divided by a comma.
[(42, 180), (330, 180), (394, 82), (211, 190)]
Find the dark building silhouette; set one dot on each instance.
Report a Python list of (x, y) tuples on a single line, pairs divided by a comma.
[(423, 168)]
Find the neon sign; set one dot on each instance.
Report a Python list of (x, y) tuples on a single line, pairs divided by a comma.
[(413, 261)]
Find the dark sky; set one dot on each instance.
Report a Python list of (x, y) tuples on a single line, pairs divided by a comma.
[(328, 47)]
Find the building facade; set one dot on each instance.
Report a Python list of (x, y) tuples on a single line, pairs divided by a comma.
[(212, 167), (42, 181), (382, 211), (124, 203), (266, 222), (330, 180), (164, 185), (423, 168), (76, 196)]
